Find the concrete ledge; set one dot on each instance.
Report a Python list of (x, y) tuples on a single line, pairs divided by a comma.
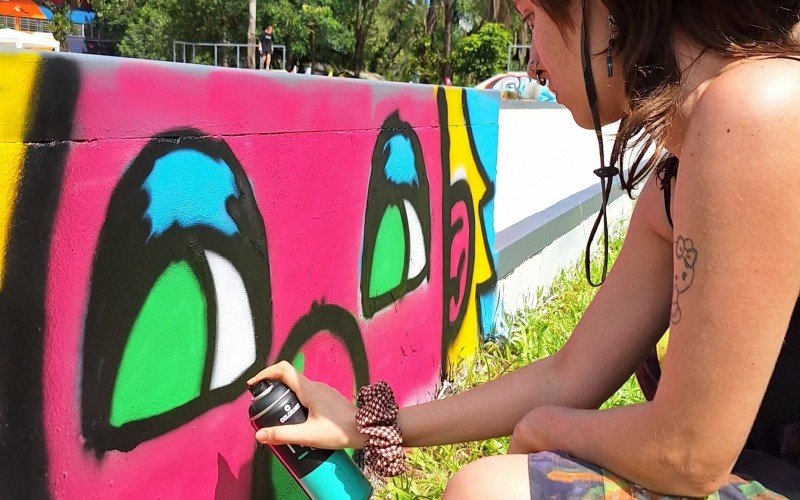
[(528, 104), (521, 241)]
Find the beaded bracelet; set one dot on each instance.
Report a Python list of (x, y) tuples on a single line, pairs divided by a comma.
[(377, 418)]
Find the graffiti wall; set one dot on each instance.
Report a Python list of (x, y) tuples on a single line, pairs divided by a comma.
[(166, 230)]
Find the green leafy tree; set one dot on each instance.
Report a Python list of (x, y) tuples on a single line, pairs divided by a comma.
[(146, 28), (408, 44), (326, 32), (147, 33), (428, 63), (392, 48), (117, 15), (363, 20), (481, 54), (407, 40), (310, 30)]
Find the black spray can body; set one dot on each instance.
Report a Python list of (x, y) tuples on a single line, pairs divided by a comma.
[(323, 474)]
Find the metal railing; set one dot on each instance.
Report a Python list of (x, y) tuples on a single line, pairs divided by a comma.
[(233, 55), (511, 49)]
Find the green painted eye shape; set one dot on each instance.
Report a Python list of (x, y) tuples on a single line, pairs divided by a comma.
[(162, 365), (389, 255), (164, 359), (397, 247)]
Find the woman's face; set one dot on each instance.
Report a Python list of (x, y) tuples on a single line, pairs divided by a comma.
[(559, 55)]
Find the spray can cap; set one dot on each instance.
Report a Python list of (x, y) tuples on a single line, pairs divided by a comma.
[(259, 388), (266, 387)]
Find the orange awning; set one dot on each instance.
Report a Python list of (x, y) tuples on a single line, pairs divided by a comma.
[(20, 8)]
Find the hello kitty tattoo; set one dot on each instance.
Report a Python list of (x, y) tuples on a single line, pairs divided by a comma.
[(684, 273)]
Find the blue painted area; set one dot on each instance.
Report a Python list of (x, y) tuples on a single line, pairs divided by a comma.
[(489, 300), (337, 478), (491, 325), (47, 13), (189, 188), (484, 111), (546, 96), (400, 166), (78, 16)]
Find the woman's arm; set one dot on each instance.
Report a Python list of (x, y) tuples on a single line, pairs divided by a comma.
[(736, 281), (621, 325)]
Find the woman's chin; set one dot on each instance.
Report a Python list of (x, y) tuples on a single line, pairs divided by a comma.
[(582, 119)]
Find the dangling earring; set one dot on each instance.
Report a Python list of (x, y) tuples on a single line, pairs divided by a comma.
[(612, 43)]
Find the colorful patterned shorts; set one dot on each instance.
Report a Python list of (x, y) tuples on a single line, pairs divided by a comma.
[(557, 476)]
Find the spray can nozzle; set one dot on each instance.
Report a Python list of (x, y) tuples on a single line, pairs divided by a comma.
[(260, 387)]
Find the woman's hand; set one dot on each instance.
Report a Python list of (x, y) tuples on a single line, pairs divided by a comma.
[(331, 423), (534, 432)]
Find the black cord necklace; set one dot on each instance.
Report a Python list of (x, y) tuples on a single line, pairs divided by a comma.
[(605, 173)]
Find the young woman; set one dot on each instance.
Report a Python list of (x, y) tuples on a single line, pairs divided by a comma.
[(712, 252)]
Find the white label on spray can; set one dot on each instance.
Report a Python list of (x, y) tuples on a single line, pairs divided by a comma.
[(289, 412)]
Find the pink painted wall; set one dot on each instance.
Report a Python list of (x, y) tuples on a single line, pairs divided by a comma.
[(261, 186)]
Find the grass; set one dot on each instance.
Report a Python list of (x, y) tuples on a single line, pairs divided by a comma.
[(533, 334)]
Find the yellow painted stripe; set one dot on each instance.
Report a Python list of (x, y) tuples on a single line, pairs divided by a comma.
[(464, 166), (17, 80)]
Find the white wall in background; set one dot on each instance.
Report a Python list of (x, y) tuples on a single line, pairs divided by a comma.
[(543, 157), (531, 281)]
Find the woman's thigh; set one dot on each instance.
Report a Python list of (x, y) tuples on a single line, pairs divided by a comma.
[(503, 476), (557, 475)]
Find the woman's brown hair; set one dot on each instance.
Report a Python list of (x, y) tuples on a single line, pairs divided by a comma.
[(740, 28)]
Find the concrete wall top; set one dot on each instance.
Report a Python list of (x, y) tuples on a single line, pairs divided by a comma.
[(316, 104)]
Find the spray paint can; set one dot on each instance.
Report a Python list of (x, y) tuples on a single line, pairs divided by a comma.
[(323, 474)]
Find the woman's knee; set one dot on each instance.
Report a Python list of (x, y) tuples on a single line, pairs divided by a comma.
[(491, 477)]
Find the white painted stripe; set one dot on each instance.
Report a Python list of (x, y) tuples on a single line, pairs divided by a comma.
[(236, 345), (416, 242)]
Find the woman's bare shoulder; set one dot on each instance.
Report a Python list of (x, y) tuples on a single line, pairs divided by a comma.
[(760, 91), (751, 110)]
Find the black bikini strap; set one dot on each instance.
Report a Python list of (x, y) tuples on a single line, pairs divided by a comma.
[(670, 171)]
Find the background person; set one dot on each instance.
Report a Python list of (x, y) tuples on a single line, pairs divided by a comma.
[(265, 47)]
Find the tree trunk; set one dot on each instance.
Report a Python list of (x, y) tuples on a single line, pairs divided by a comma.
[(449, 11), (358, 55), (365, 12), (313, 51), (251, 35), (224, 49), (497, 11), (358, 29), (430, 16)]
